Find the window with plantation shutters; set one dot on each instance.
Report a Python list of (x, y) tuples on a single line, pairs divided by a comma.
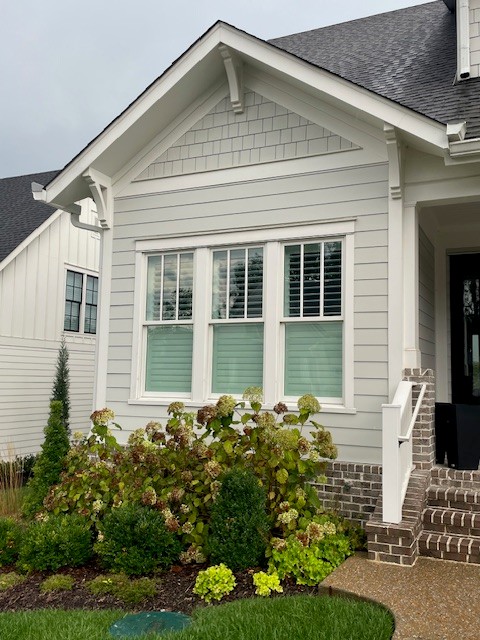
[(237, 326), (313, 321), (169, 323)]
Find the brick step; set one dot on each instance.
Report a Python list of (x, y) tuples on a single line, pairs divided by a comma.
[(449, 547), (453, 498), (451, 521), (445, 477)]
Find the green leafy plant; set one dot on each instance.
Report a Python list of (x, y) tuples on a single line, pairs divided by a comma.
[(50, 462), (57, 541), (214, 583), (57, 582), (239, 524), (119, 585), (10, 537), (175, 469), (310, 555), (61, 384), (265, 583), (9, 580), (134, 540)]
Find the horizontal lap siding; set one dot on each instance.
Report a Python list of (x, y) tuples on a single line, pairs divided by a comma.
[(26, 380), (359, 192), (426, 301)]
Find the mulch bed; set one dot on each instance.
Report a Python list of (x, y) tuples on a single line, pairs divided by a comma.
[(174, 592)]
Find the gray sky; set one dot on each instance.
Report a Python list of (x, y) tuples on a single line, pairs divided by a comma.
[(68, 68)]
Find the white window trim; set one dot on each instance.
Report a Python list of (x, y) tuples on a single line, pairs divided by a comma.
[(81, 323), (272, 239)]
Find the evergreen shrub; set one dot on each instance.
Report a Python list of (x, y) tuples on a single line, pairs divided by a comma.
[(49, 464), (61, 384), (59, 541), (10, 537), (134, 540), (239, 524)]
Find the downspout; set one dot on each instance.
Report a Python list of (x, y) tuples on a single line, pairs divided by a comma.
[(463, 39)]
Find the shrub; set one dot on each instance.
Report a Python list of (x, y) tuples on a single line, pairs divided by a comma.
[(50, 461), (214, 583), (9, 580), (176, 468), (119, 585), (61, 384), (239, 524), (309, 556), (58, 582), (265, 583), (135, 541), (59, 541), (10, 536)]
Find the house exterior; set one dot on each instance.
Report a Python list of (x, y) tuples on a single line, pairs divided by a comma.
[(288, 214), (48, 274)]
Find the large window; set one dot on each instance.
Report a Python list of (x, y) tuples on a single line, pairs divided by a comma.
[(219, 316), (81, 299)]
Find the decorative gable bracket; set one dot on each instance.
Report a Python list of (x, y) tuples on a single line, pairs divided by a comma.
[(234, 70), (394, 152), (101, 189)]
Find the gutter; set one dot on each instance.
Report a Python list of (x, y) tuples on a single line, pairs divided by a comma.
[(40, 194), (465, 148), (463, 39)]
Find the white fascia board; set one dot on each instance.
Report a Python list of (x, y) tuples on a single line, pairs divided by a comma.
[(344, 90), (466, 149), (258, 51), (38, 231)]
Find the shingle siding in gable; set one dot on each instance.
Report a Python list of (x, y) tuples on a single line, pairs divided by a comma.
[(264, 132)]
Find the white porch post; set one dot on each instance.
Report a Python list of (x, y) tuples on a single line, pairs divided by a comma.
[(411, 353)]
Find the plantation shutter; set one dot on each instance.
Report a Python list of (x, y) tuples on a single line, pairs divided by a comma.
[(170, 330), (237, 294)]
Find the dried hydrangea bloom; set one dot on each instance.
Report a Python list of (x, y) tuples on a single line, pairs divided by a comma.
[(136, 437), (149, 497), (102, 416), (315, 531), (187, 476), (206, 414), (215, 487), (302, 537), (176, 495), (280, 408), (278, 544), (266, 420), (97, 506), (175, 407), (308, 403), (284, 506), (213, 469), (152, 428), (287, 516), (304, 446), (286, 439), (187, 528), (225, 406), (184, 508), (253, 394)]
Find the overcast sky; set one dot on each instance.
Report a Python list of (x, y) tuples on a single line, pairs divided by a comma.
[(68, 68)]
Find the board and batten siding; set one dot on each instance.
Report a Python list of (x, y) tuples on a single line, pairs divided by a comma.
[(32, 307), (359, 192), (426, 300)]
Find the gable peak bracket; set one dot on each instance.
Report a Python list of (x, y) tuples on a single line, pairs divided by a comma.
[(234, 70), (101, 190), (395, 164)]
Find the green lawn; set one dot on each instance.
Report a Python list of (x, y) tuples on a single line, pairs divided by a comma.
[(292, 618)]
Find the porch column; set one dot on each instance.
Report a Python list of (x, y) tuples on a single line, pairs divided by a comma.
[(411, 347)]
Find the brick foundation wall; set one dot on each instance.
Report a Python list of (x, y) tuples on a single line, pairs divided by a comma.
[(424, 429), (352, 489)]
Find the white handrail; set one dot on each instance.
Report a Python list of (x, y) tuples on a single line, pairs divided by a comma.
[(398, 421)]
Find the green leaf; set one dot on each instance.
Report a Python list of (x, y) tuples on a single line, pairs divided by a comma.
[(199, 527), (282, 476), (227, 445), (246, 417)]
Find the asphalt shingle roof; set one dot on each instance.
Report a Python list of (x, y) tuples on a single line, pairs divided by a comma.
[(20, 214), (408, 56)]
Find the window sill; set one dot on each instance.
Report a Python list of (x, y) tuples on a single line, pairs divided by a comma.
[(164, 402), (79, 338)]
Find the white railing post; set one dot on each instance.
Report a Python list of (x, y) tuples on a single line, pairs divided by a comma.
[(391, 488)]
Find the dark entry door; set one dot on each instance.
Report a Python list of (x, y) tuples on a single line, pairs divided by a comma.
[(465, 327)]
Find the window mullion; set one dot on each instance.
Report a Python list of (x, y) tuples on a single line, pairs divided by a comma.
[(272, 312)]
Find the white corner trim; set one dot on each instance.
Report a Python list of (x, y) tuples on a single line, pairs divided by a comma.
[(234, 70)]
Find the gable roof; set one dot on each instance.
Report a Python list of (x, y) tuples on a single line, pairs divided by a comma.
[(408, 56), (20, 214)]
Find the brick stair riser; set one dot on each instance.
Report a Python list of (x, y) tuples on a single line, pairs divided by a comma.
[(451, 498), (446, 547), (456, 479), (450, 521)]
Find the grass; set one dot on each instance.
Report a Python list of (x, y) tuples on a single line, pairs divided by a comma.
[(292, 618), (11, 481)]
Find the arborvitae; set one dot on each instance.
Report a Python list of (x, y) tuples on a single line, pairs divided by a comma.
[(61, 385), (238, 523), (50, 461)]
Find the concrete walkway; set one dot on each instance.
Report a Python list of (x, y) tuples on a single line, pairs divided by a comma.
[(434, 600)]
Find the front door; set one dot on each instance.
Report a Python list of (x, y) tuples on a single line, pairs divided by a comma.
[(465, 328)]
